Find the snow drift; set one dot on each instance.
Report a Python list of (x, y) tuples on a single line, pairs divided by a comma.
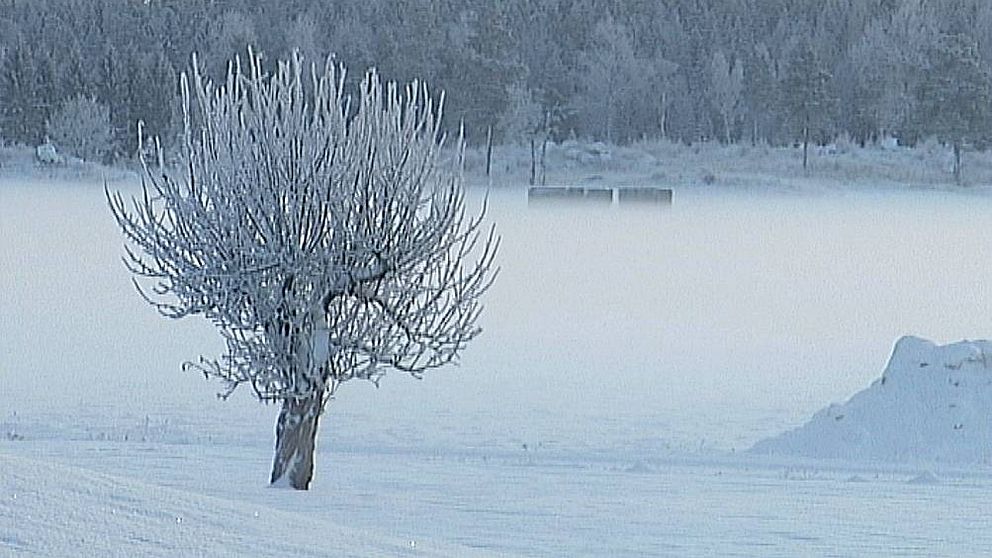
[(52, 510), (933, 403)]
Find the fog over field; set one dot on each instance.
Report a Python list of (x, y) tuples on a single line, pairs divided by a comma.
[(628, 355), (752, 306)]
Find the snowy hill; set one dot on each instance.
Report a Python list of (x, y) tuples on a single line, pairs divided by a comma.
[(51, 510), (932, 403)]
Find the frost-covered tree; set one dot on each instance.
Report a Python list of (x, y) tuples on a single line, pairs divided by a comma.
[(156, 106), (81, 127), (902, 49), (726, 86), (954, 97), (610, 78), (565, 52), (523, 117), (806, 96), (21, 115), (325, 236), (304, 36), (871, 87), (229, 33), (761, 92), (73, 72)]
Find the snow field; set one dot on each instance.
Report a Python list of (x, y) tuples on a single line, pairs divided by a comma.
[(692, 505), (52, 509), (627, 359)]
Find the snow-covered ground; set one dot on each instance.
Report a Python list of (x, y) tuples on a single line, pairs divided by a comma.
[(839, 166), (51, 509), (628, 359), (373, 502)]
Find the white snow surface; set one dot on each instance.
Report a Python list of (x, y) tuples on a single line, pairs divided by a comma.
[(932, 403), (57, 510), (627, 356)]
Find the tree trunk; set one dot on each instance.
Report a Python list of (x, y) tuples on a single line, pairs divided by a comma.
[(664, 115), (533, 161), (805, 146), (957, 163), (544, 152), (296, 436), (489, 150)]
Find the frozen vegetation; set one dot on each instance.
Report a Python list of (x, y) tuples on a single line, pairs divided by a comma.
[(683, 70)]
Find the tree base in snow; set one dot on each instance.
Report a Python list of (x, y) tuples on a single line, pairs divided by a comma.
[(296, 436)]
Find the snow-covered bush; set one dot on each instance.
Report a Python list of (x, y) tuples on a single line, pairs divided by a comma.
[(81, 127), (46, 154)]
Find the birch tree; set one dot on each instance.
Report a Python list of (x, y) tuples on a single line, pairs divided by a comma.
[(609, 76), (326, 237), (726, 86)]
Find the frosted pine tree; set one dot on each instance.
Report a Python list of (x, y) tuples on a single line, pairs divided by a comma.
[(325, 236), (806, 96), (954, 98)]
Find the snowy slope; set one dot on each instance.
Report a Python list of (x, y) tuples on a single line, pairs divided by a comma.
[(932, 403), (52, 510)]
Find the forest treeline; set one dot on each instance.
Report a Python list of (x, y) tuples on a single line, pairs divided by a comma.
[(776, 71)]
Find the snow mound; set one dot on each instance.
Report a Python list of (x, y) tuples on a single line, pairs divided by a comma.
[(933, 403), (50, 510)]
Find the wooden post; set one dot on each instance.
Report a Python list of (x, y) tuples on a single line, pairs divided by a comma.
[(957, 163), (544, 169), (533, 161), (489, 150), (544, 146), (664, 114)]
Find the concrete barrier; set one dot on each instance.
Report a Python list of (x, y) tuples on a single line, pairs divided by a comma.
[(543, 194), (661, 196), (603, 196)]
